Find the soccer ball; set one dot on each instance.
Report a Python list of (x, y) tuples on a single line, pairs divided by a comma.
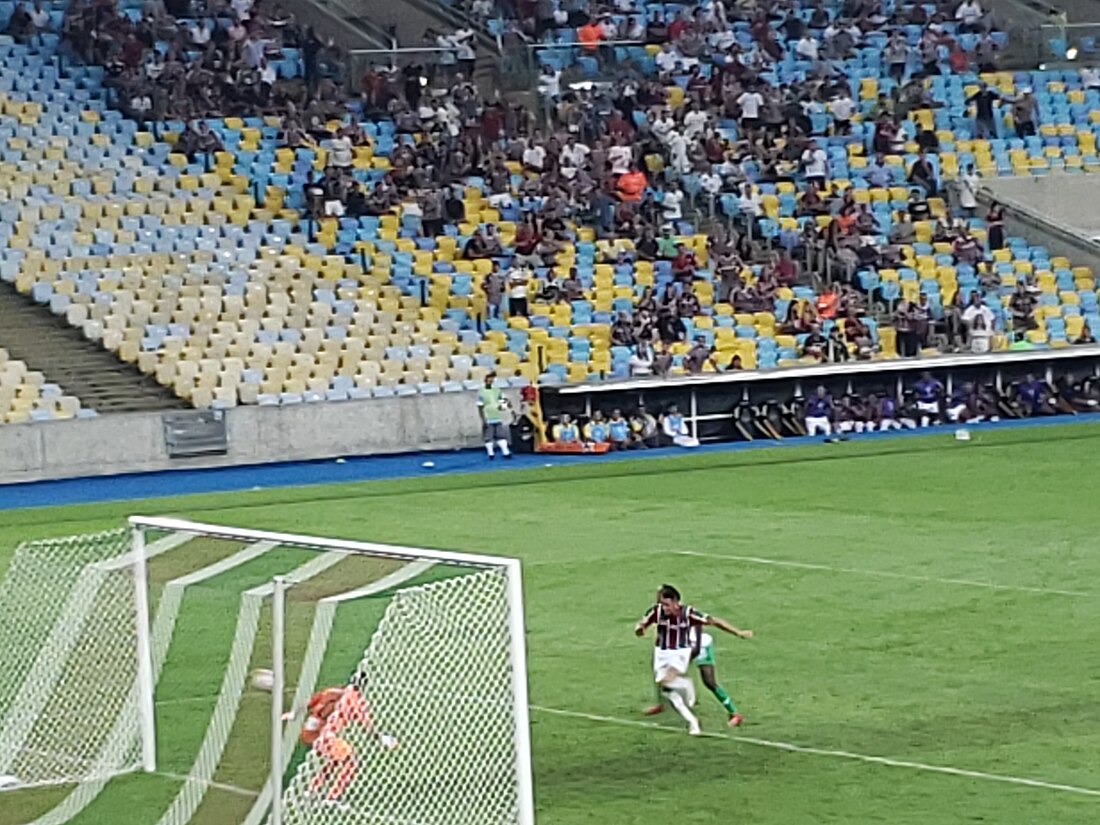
[(263, 679)]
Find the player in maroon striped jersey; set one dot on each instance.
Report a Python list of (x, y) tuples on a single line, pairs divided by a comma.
[(676, 646)]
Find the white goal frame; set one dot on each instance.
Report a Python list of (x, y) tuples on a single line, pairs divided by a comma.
[(517, 648)]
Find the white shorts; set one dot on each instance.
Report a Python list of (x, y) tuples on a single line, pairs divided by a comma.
[(663, 660), (928, 407), (955, 412), (815, 424)]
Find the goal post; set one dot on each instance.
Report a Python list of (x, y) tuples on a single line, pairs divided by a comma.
[(444, 677)]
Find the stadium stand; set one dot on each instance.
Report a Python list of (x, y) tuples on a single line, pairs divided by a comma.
[(411, 241), (25, 395)]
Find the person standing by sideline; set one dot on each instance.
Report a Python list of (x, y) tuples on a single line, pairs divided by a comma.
[(491, 405)]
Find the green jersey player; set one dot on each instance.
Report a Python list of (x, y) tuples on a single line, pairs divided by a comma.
[(703, 654)]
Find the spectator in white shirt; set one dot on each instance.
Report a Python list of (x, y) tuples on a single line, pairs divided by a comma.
[(842, 108), (40, 17), (750, 103), (268, 76), (678, 153), (710, 182), (981, 336), (534, 156), (549, 83), (340, 154), (572, 158), (672, 204), (620, 158), (975, 310), (1090, 77), (666, 59), (807, 47), (969, 16), (641, 362), (695, 122), (968, 184), (748, 204), (200, 35), (815, 163)]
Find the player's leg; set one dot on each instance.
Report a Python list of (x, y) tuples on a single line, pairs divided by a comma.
[(659, 706), (502, 440), (344, 775), (677, 690), (708, 672), (487, 437), (710, 679), (322, 777)]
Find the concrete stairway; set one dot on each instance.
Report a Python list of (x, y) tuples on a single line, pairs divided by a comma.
[(361, 24), (100, 380)]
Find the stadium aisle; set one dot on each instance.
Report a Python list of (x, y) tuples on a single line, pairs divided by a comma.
[(96, 489)]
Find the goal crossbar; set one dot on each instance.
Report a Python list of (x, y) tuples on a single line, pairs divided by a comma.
[(390, 551)]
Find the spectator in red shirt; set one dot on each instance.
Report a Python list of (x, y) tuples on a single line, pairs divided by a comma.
[(684, 264)]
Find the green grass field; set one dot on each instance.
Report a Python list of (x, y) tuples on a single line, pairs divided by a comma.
[(927, 602)]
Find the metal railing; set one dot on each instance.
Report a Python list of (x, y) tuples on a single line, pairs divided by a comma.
[(439, 65), (1069, 42)]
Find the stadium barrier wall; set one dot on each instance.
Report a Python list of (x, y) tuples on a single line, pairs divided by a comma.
[(134, 442), (1056, 211), (709, 402)]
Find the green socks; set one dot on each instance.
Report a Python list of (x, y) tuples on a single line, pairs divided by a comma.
[(723, 697)]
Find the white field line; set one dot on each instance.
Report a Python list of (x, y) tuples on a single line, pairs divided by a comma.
[(125, 732), (198, 779), (222, 786), (835, 754), (886, 574)]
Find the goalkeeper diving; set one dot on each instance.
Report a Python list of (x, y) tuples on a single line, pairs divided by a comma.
[(330, 714)]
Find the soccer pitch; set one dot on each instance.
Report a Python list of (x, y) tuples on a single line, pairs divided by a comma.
[(927, 619)]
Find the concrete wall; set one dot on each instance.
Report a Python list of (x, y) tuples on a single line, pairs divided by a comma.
[(1057, 211), (134, 442)]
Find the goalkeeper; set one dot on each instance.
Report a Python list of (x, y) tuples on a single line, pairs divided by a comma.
[(330, 712)]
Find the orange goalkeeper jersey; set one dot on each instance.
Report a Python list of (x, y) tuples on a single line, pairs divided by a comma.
[(321, 706), (333, 709)]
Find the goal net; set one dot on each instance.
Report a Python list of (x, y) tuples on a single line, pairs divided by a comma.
[(69, 706), (441, 744), (429, 643)]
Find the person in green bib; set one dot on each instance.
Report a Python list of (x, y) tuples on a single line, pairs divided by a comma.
[(491, 405)]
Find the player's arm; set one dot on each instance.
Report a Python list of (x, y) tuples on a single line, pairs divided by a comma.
[(649, 618), (722, 624)]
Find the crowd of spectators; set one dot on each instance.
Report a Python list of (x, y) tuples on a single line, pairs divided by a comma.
[(617, 157), (188, 59)]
